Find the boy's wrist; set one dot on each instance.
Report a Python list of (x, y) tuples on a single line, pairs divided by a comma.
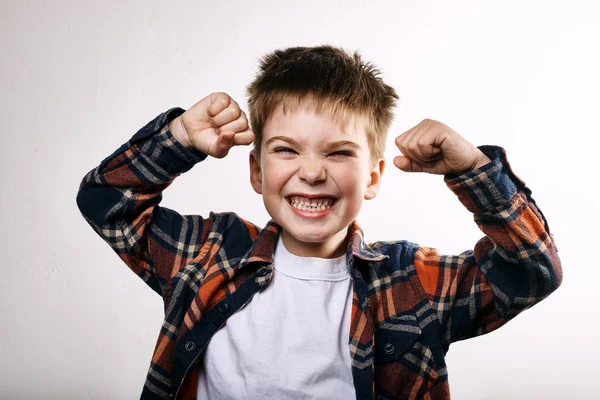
[(178, 131), (481, 160)]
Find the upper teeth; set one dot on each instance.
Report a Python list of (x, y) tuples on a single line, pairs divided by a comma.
[(323, 203)]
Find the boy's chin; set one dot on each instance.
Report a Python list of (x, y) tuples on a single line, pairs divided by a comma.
[(308, 234), (310, 239), (314, 239)]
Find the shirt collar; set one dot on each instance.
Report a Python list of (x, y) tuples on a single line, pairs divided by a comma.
[(264, 246), (357, 247)]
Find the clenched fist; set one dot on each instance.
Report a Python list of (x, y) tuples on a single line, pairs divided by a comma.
[(213, 126), (434, 148)]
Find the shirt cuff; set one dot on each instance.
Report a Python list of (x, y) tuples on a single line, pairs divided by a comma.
[(157, 142), (489, 188)]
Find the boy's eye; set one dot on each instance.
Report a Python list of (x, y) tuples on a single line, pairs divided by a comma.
[(283, 150), (342, 153)]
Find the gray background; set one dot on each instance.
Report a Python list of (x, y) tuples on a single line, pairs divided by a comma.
[(80, 77)]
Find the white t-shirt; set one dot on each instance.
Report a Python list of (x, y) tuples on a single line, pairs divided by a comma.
[(290, 341)]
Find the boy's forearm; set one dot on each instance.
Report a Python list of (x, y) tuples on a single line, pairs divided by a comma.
[(118, 197), (517, 258), (146, 164)]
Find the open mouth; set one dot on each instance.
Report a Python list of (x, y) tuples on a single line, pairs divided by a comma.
[(311, 205)]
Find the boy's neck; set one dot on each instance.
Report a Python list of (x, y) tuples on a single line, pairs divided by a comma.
[(332, 248)]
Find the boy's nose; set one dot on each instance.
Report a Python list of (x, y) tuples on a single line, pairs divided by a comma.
[(312, 172)]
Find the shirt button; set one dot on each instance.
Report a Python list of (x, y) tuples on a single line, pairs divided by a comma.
[(389, 348), (223, 307), (190, 345)]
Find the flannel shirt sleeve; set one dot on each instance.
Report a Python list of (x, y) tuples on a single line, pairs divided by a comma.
[(514, 266), (120, 197)]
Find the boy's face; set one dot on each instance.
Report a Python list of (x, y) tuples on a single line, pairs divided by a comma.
[(313, 176)]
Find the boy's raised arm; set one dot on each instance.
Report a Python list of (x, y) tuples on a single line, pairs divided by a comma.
[(509, 270), (120, 198)]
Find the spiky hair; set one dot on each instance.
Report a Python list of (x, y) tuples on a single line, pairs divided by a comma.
[(327, 78)]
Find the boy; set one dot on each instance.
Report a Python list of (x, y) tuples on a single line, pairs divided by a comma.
[(304, 308)]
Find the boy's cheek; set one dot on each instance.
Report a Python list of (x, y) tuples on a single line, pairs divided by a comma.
[(275, 171)]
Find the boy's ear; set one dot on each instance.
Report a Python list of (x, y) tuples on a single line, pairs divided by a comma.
[(375, 180), (255, 173)]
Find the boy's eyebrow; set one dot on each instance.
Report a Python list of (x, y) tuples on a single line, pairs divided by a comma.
[(284, 139), (330, 145)]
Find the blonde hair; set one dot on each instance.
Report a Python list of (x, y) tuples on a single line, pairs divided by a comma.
[(327, 78)]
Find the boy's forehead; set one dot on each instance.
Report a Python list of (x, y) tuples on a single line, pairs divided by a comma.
[(288, 118)]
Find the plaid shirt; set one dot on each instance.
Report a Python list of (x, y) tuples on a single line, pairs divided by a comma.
[(409, 302)]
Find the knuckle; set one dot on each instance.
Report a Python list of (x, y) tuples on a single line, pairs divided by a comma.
[(235, 112), (224, 145), (222, 97)]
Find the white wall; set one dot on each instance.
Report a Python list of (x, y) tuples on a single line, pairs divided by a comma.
[(80, 77)]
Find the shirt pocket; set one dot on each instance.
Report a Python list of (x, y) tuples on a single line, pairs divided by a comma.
[(404, 364)]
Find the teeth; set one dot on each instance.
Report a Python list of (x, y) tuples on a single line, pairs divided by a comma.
[(311, 205)]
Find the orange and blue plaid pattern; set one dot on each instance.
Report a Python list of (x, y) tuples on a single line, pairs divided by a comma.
[(409, 302)]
